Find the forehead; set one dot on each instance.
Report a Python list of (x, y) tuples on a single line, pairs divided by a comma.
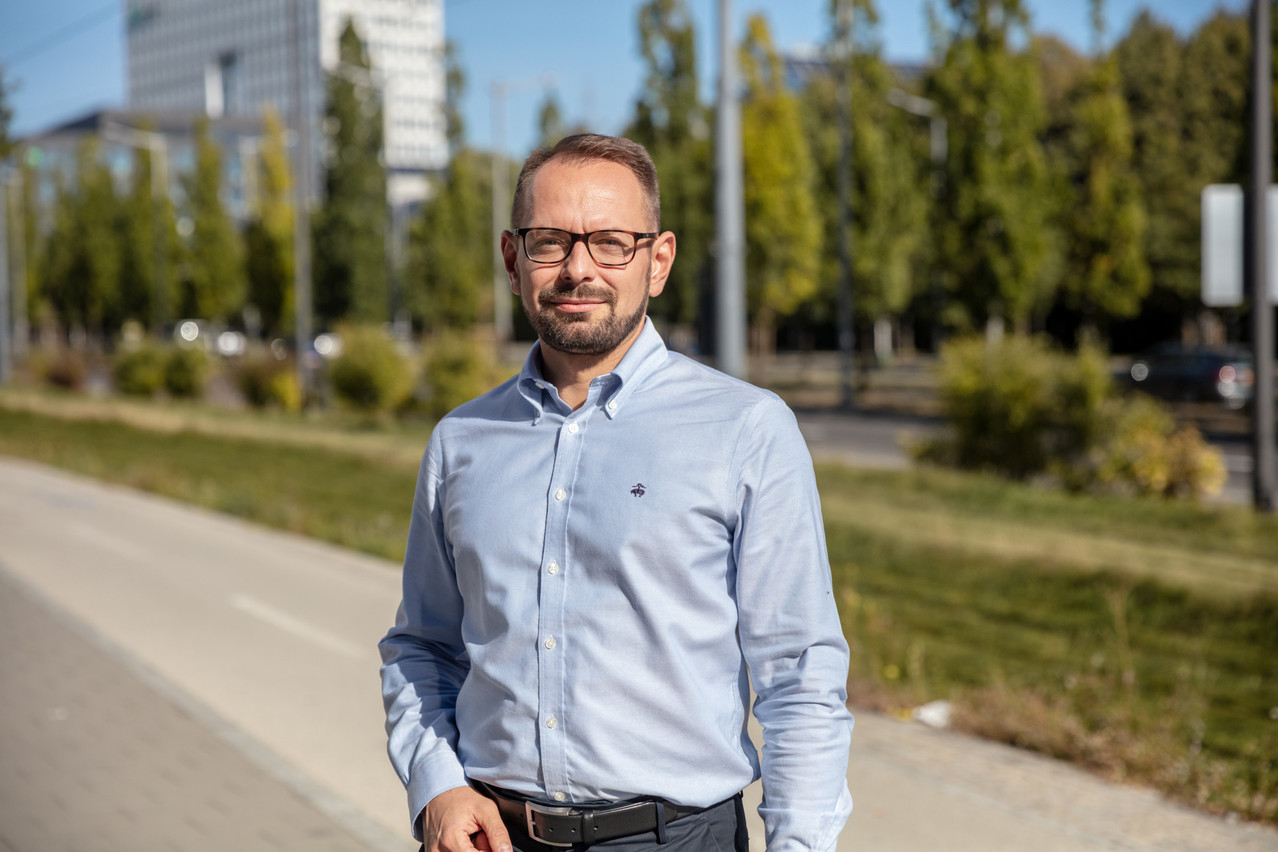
[(598, 193)]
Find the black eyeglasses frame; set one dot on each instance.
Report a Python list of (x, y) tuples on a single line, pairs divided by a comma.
[(575, 238)]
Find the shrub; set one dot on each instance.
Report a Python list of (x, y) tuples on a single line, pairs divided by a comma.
[(66, 369), (186, 371), (370, 375), (266, 382), (1018, 406), (458, 369), (1148, 455), (139, 370)]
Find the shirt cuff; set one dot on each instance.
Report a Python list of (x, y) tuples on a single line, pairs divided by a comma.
[(432, 776)]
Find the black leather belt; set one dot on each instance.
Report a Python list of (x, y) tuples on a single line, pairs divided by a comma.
[(558, 825)]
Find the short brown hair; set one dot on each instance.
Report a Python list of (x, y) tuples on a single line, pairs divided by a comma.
[(584, 147)]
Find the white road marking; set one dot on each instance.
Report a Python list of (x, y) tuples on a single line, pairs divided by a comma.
[(295, 626)]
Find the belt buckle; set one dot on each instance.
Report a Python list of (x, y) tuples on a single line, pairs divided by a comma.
[(529, 810)]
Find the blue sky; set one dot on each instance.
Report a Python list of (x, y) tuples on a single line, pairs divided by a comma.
[(66, 57)]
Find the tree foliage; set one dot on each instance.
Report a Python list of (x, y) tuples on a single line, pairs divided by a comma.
[(996, 206), (783, 230), (214, 280), (268, 235), (82, 258), (672, 123), (351, 227)]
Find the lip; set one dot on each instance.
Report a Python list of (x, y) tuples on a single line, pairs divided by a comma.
[(575, 307)]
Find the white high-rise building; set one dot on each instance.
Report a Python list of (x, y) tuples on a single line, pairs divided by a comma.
[(235, 57)]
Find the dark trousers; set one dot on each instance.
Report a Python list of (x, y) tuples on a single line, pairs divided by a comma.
[(718, 829)]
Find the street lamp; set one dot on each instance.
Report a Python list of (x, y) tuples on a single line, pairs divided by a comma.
[(503, 324), (157, 145)]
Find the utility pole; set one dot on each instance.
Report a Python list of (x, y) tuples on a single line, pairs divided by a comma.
[(846, 324), (302, 178), (6, 331), (730, 321), (1257, 257)]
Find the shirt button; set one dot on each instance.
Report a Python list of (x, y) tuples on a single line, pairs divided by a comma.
[(541, 386), (560, 494), (572, 428), (560, 796), (550, 643), (551, 722), (612, 405), (552, 568)]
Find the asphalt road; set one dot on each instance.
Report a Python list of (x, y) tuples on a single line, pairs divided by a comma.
[(267, 641)]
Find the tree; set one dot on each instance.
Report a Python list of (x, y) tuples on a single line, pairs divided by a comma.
[(82, 260), (995, 210), (6, 116), (1106, 271), (783, 231), (550, 122), (450, 253), (351, 227), (672, 124), (147, 236), (1149, 60), (268, 237), (214, 281), (890, 166)]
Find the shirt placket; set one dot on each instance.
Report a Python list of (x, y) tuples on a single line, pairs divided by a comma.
[(552, 593)]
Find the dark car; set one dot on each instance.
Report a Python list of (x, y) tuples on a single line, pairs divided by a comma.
[(1184, 373)]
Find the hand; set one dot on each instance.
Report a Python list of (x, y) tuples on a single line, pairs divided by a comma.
[(462, 820)]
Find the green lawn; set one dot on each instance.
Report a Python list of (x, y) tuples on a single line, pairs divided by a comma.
[(1136, 637)]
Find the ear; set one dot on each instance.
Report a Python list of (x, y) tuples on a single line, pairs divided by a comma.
[(663, 255), (510, 255)]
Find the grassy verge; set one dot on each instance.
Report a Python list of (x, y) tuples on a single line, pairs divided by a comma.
[(1138, 638)]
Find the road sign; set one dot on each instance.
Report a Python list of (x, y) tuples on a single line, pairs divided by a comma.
[(1223, 245)]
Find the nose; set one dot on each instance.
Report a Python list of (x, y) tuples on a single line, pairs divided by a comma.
[(579, 265)]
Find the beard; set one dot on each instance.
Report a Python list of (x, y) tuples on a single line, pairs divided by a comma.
[(582, 334)]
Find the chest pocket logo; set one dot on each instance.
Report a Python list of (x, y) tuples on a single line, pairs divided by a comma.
[(638, 490)]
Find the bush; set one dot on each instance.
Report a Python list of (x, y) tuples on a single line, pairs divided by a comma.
[(370, 375), (139, 370), (1148, 455), (186, 371), (458, 369), (1018, 407), (66, 369), (266, 382)]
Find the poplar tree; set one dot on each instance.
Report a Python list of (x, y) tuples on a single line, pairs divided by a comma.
[(82, 258), (783, 230), (450, 256), (147, 235), (996, 206), (890, 173), (673, 124), (351, 227), (215, 285), (1106, 272), (268, 236)]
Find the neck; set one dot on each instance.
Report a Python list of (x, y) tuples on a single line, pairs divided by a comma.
[(571, 373)]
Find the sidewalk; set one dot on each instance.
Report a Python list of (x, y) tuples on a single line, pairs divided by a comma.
[(96, 759)]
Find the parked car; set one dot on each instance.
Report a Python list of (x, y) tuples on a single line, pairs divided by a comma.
[(1184, 373)]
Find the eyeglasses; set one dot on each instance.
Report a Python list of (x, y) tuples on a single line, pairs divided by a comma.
[(606, 248)]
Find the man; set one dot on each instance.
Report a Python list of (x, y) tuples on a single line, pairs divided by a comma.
[(605, 552)]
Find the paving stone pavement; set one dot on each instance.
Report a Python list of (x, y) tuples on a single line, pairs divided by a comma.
[(93, 759)]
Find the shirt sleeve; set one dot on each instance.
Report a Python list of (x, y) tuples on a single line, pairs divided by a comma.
[(424, 660), (791, 635)]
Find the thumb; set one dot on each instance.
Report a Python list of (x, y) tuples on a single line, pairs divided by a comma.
[(493, 831)]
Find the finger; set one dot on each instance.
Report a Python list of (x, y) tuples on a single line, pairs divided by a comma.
[(481, 842), (494, 830)]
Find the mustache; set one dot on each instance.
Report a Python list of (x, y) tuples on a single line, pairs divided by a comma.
[(558, 295)]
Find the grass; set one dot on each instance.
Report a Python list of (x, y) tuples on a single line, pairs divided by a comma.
[(1136, 637)]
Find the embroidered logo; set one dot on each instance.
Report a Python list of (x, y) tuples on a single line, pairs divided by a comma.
[(638, 490)]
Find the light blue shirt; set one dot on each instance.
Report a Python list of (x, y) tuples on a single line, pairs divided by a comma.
[(589, 594)]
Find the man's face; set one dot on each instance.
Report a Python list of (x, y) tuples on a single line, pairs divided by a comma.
[(577, 306)]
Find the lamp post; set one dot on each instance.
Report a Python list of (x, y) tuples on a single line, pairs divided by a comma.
[(157, 145), (730, 320), (503, 324)]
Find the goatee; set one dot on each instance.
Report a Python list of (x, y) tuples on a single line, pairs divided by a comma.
[(581, 334)]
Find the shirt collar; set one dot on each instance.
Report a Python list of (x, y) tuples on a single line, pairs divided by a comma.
[(645, 355)]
